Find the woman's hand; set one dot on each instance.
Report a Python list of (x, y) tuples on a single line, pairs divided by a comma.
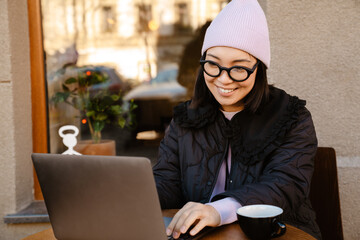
[(193, 213)]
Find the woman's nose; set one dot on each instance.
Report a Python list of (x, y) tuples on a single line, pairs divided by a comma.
[(224, 78)]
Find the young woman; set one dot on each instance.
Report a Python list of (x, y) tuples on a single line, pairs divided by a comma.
[(239, 141)]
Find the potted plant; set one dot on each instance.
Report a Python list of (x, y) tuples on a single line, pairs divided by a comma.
[(99, 103)]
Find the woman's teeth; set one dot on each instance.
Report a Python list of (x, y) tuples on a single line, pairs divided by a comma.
[(226, 90)]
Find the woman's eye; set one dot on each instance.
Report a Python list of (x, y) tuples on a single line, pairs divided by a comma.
[(238, 70), (212, 64)]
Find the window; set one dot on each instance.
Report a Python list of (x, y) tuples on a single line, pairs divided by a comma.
[(108, 19), (140, 63), (183, 14), (144, 16)]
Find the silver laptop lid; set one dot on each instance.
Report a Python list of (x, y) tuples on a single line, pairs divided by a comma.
[(100, 197)]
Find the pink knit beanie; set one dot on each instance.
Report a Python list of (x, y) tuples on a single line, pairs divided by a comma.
[(242, 25)]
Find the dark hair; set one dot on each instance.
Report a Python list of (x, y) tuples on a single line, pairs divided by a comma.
[(258, 95)]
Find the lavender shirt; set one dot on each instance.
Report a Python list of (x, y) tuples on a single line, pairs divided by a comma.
[(226, 207)]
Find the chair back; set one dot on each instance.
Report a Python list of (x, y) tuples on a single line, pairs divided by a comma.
[(324, 194)]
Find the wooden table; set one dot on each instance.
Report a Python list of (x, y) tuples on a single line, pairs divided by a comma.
[(231, 231)]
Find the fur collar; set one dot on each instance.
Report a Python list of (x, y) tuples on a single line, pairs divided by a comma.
[(252, 135)]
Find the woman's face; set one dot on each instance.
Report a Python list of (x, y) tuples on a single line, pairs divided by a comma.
[(228, 93)]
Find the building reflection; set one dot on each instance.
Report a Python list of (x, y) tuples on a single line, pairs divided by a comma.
[(137, 38)]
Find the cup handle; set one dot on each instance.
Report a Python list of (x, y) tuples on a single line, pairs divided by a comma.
[(281, 229)]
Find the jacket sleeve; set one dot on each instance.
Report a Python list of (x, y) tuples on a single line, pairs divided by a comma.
[(167, 170), (287, 172)]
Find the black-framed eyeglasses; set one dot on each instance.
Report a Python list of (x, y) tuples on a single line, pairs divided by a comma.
[(236, 73)]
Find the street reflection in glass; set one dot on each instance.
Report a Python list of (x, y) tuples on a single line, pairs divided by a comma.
[(142, 54)]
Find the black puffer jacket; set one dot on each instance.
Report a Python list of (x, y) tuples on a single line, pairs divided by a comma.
[(272, 157)]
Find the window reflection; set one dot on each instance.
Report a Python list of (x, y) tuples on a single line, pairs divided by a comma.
[(109, 19), (151, 46)]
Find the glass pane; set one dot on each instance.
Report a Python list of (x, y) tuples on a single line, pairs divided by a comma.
[(118, 67)]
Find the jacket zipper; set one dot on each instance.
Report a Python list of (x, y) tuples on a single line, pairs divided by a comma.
[(230, 174)]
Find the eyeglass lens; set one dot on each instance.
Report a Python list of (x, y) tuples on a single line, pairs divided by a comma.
[(236, 73)]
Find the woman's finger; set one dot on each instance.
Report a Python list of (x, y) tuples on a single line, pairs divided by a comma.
[(186, 222), (177, 216), (198, 227), (187, 218)]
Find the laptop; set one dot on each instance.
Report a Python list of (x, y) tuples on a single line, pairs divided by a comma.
[(101, 197)]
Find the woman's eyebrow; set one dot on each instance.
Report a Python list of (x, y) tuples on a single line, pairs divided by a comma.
[(209, 54), (237, 60), (241, 60)]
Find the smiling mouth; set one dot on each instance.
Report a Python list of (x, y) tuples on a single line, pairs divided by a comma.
[(226, 90)]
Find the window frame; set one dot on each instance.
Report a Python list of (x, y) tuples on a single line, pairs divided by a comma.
[(38, 87)]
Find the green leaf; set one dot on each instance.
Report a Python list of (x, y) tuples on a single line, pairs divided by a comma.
[(122, 122), (132, 105), (116, 109), (60, 97), (101, 116), (70, 80), (65, 88), (90, 113), (98, 126), (115, 97)]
